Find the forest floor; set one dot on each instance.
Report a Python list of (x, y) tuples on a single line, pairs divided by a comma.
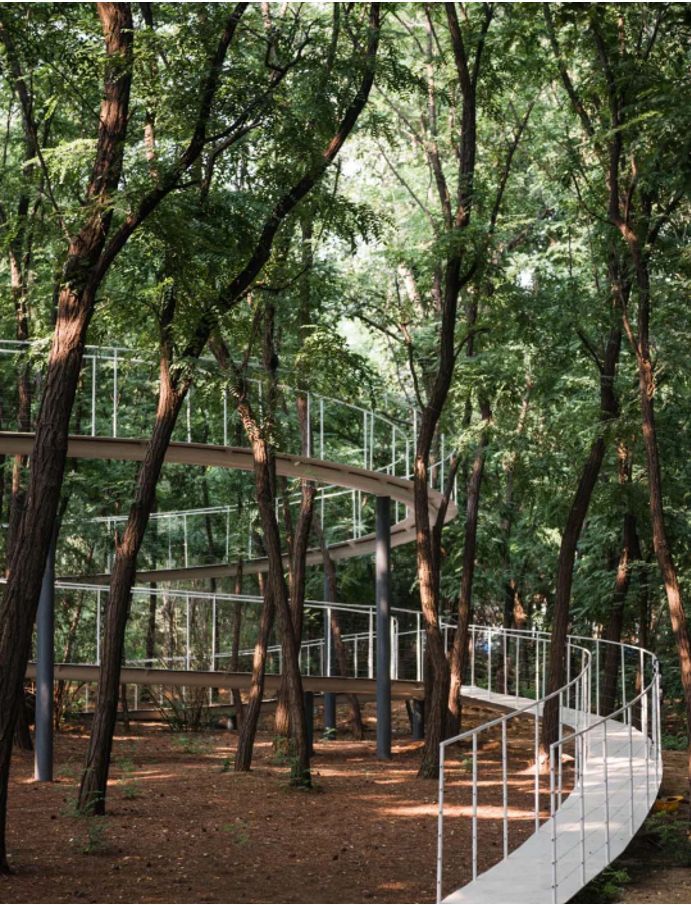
[(183, 827)]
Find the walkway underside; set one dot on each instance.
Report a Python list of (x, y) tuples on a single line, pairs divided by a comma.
[(78, 672), (375, 483)]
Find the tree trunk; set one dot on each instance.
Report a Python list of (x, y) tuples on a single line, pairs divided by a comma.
[(630, 551), (236, 694), (75, 306), (92, 793), (278, 590), (22, 733), (609, 410), (460, 643), (657, 518), (248, 729), (298, 555)]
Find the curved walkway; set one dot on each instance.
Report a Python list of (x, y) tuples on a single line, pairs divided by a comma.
[(616, 764), (375, 483), (615, 761)]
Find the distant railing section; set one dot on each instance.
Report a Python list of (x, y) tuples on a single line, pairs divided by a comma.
[(117, 398), (192, 630)]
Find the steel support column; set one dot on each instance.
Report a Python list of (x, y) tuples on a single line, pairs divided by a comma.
[(45, 630), (329, 698), (383, 601)]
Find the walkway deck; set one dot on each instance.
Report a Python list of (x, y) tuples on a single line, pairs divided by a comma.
[(618, 797)]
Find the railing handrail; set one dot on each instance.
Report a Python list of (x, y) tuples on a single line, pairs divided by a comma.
[(537, 703)]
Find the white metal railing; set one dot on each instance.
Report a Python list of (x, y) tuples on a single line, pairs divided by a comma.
[(113, 377), (200, 623), (597, 758)]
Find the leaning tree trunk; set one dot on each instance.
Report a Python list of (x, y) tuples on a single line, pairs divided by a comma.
[(298, 557), (279, 591), (460, 643), (609, 410), (437, 678), (235, 693), (92, 792), (250, 718), (76, 300), (646, 383), (630, 551)]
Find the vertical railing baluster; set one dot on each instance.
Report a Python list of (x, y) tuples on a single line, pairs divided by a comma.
[(504, 789), (536, 792), (553, 823), (474, 807)]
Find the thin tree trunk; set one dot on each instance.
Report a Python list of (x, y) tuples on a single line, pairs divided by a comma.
[(646, 383), (236, 694), (248, 729), (609, 410), (47, 464), (92, 792), (612, 661), (460, 643), (630, 551)]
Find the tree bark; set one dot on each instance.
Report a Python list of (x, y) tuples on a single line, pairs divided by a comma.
[(609, 410), (248, 729), (235, 693), (93, 788), (75, 306), (460, 643), (630, 551), (663, 552)]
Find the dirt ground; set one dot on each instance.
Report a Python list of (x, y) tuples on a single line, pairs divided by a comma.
[(183, 827)]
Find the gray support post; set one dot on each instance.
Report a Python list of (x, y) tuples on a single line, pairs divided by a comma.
[(43, 755), (329, 697), (383, 599)]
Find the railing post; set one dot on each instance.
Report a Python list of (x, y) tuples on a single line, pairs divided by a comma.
[(504, 789), (625, 712), (536, 791), (213, 633), (581, 740), (560, 768), (93, 395), (418, 648), (631, 791), (472, 656), (553, 823), (440, 824), (474, 808), (98, 627), (605, 767), (187, 633), (506, 677), (383, 597), (115, 392)]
